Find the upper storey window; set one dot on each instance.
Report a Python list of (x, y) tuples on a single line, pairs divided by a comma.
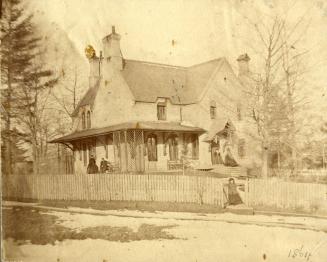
[(162, 111), (88, 119), (213, 109), (83, 121)]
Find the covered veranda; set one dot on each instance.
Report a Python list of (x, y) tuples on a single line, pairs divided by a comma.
[(135, 146)]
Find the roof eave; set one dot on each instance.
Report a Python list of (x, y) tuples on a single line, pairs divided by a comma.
[(66, 139)]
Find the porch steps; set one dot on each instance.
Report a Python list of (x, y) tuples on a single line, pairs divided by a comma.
[(240, 209), (231, 171)]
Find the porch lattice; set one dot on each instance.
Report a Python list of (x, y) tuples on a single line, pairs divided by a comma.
[(129, 150)]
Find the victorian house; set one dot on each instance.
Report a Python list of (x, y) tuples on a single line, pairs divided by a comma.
[(144, 116)]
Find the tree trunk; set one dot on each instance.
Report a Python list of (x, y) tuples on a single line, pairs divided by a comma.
[(35, 157), (8, 154), (264, 167)]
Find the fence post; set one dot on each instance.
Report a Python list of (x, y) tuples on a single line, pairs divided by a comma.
[(246, 191)]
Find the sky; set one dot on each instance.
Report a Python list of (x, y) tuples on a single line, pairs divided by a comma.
[(187, 32), (201, 29)]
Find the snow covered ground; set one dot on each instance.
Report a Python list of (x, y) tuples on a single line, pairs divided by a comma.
[(199, 237)]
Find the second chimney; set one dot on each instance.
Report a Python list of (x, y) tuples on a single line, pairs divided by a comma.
[(243, 65), (111, 49)]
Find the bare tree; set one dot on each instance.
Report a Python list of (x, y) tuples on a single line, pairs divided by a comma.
[(271, 91), (70, 85), (33, 96)]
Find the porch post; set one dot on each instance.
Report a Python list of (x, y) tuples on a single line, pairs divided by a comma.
[(126, 153), (119, 151), (135, 149), (142, 151)]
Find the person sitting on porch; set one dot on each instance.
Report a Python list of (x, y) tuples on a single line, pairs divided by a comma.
[(103, 166), (229, 159), (233, 196), (92, 167)]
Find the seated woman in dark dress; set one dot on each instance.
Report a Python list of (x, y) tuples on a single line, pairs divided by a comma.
[(229, 159), (233, 196), (92, 167)]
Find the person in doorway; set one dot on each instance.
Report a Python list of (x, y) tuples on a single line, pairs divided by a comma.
[(103, 165), (233, 196), (92, 167)]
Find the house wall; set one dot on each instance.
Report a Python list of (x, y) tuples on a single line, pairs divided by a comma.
[(114, 102), (148, 111), (226, 95)]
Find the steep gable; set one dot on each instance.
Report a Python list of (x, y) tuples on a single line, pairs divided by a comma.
[(88, 98), (182, 85), (225, 83)]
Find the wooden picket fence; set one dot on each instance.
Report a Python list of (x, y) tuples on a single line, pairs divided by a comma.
[(162, 188), (286, 195), (123, 187)]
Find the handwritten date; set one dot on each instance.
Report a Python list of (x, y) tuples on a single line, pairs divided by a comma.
[(300, 253)]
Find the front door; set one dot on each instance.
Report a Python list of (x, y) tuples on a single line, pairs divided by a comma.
[(216, 158)]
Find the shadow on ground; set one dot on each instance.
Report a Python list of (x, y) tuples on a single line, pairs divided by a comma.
[(28, 225)]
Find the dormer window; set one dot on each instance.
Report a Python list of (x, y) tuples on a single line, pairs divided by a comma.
[(83, 121), (161, 111), (88, 118), (213, 110)]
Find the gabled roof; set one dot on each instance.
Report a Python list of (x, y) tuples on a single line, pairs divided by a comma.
[(182, 85), (135, 125), (88, 98), (150, 81)]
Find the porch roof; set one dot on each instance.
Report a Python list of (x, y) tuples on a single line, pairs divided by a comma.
[(218, 126), (155, 126)]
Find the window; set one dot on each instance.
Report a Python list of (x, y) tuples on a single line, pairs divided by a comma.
[(83, 120), (241, 148), (195, 146), (212, 109), (239, 113), (161, 111), (173, 147), (88, 118), (152, 147)]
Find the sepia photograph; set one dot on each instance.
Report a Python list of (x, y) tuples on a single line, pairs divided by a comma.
[(163, 130)]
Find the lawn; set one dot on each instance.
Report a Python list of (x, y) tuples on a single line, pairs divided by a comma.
[(126, 235), (29, 225)]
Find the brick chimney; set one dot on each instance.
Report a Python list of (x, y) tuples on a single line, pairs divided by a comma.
[(243, 64), (111, 49)]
